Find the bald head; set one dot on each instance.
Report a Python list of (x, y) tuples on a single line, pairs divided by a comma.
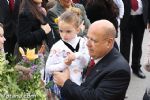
[(101, 37), (104, 27)]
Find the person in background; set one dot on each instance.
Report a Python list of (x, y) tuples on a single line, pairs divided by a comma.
[(44, 3), (136, 18), (33, 26), (110, 76), (3, 60), (9, 10), (76, 1), (61, 6), (147, 65), (2, 38), (103, 9), (71, 50), (50, 4), (120, 5)]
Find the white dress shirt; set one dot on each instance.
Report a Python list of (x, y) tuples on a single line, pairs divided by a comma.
[(139, 11), (120, 5)]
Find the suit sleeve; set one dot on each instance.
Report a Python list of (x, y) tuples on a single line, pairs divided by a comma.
[(27, 36), (109, 88)]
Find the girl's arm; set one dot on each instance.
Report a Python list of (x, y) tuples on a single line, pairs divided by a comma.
[(55, 61)]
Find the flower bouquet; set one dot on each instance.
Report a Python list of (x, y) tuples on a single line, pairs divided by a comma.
[(29, 69), (30, 63)]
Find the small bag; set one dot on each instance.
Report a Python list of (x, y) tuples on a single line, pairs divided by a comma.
[(147, 94)]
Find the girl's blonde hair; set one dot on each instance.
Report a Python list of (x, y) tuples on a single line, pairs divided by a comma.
[(72, 15)]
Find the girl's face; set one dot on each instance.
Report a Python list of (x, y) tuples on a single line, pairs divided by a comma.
[(65, 3), (67, 31), (2, 39)]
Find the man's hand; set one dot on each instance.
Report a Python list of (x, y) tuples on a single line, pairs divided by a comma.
[(61, 77)]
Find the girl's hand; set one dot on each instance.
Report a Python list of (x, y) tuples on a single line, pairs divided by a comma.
[(69, 59)]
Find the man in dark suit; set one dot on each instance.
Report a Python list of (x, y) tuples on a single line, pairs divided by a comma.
[(109, 78), (9, 18), (132, 27)]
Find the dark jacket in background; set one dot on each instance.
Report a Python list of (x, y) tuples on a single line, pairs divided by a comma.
[(100, 11), (30, 34), (9, 20)]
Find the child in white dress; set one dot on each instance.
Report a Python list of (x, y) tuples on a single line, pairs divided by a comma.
[(71, 51)]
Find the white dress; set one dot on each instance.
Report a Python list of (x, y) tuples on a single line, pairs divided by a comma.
[(58, 53)]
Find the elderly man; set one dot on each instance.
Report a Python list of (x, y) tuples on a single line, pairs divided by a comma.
[(110, 76)]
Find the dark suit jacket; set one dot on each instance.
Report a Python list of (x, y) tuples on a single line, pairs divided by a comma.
[(97, 12), (8, 19), (127, 9), (108, 80)]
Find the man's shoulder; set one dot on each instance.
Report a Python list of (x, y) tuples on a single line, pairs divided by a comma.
[(53, 9)]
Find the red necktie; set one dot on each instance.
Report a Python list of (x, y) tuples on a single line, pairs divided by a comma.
[(11, 5), (91, 65), (134, 4)]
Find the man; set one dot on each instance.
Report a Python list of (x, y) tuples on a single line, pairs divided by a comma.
[(109, 78), (8, 17), (133, 24)]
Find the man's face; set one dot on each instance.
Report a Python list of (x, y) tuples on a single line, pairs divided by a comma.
[(65, 3), (97, 44)]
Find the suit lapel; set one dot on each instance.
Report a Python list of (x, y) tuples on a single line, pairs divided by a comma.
[(101, 65)]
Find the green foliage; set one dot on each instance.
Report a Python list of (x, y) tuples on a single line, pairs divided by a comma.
[(13, 88)]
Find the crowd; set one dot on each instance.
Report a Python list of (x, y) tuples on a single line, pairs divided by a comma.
[(82, 58)]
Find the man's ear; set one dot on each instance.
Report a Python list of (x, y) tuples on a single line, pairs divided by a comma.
[(110, 42)]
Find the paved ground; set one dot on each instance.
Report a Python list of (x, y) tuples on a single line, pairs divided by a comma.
[(137, 86)]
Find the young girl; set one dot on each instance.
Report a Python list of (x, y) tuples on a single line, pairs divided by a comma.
[(2, 38), (71, 50)]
